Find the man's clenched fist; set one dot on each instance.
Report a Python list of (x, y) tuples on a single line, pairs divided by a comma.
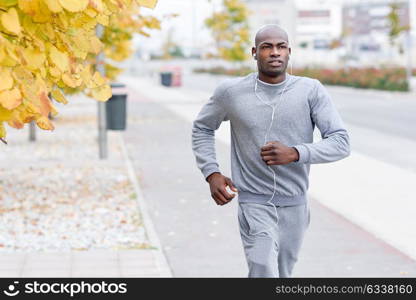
[(276, 153), (217, 185)]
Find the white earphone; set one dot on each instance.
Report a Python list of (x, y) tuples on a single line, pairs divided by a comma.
[(273, 107)]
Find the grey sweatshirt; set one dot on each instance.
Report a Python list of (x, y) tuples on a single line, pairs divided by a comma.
[(304, 104)]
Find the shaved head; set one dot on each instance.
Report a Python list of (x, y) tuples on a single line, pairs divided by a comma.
[(270, 30), (272, 53)]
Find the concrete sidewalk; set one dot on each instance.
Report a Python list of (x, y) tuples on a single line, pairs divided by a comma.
[(54, 225), (92, 263)]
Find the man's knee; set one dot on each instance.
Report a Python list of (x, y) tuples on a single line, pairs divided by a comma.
[(262, 257), (287, 261), (262, 267)]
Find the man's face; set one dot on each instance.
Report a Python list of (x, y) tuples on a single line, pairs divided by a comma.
[(272, 56)]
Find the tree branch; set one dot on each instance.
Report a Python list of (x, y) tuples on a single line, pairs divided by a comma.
[(9, 34)]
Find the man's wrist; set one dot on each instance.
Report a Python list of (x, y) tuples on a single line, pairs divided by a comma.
[(210, 176), (295, 154)]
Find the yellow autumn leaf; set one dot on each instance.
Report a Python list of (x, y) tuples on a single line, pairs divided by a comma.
[(112, 72), (8, 61), (36, 9), (54, 71), (147, 3), (83, 22), (10, 21), (54, 5), (43, 72), (71, 81), (60, 59), (34, 58), (6, 79), (44, 123), (11, 53), (10, 99), (29, 6), (16, 121), (98, 79), (112, 7), (86, 74), (58, 96), (54, 111), (44, 15), (64, 20), (2, 130), (31, 108), (90, 12), (80, 53), (26, 116), (5, 114), (48, 30), (39, 104), (97, 5), (7, 3), (101, 93), (2, 53), (43, 100), (81, 42), (102, 19), (74, 5), (23, 76), (95, 45), (20, 115)]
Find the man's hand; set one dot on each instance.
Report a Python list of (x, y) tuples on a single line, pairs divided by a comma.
[(276, 153), (217, 185)]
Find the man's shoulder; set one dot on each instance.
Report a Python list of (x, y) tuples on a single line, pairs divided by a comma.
[(305, 80), (314, 87)]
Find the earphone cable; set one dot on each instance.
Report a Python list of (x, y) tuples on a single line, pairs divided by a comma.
[(268, 131)]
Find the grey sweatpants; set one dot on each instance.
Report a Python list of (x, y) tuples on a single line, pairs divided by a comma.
[(272, 237)]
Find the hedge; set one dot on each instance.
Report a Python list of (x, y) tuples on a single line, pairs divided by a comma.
[(391, 79)]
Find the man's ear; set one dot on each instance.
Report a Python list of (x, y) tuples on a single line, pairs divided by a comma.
[(290, 50), (253, 53)]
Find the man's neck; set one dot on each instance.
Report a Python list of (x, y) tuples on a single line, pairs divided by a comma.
[(273, 80)]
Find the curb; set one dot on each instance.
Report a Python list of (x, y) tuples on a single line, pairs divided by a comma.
[(161, 261)]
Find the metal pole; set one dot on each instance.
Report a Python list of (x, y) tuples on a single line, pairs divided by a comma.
[(409, 58), (411, 6), (102, 130), (32, 131)]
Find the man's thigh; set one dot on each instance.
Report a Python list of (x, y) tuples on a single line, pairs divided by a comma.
[(272, 236), (259, 235), (293, 223)]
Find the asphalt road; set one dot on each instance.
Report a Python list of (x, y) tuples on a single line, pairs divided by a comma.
[(382, 125)]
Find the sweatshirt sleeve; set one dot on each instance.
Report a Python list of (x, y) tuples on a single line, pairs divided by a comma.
[(335, 143), (208, 120)]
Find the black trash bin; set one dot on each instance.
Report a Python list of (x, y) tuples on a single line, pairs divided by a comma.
[(166, 78), (116, 108)]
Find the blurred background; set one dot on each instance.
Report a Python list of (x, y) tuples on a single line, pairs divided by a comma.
[(331, 35), (364, 52)]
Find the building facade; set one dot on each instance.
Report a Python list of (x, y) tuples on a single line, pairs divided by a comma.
[(366, 27), (280, 12)]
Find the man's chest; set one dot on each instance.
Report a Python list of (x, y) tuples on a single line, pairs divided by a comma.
[(291, 112)]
